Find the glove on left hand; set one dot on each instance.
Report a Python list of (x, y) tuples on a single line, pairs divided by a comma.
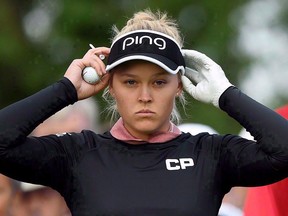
[(210, 80)]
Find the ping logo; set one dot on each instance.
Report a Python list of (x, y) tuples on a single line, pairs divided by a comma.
[(159, 42), (177, 164)]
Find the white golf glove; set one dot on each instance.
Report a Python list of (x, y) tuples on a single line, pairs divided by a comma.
[(209, 78)]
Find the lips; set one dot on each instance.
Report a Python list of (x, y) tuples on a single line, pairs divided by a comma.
[(145, 112)]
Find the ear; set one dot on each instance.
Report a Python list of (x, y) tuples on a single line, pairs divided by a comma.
[(111, 91), (180, 87)]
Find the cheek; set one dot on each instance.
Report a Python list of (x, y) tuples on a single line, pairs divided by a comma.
[(4, 199), (167, 103), (168, 96), (123, 102)]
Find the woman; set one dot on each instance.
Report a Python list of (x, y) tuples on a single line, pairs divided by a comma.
[(269, 199), (144, 165), (11, 200)]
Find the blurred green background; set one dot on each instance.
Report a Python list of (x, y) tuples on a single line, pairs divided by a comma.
[(39, 39)]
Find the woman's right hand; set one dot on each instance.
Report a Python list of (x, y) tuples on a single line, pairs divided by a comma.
[(90, 59)]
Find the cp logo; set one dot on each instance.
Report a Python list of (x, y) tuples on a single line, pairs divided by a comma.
[(177, 164)]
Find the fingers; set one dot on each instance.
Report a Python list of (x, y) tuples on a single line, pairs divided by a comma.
[(197, 59), (104, 81), (92, 59), (188, 86), (193, 75), (85, 90)]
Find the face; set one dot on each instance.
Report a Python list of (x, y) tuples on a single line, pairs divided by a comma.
[(145, 95), (5, 195), (45, 202)]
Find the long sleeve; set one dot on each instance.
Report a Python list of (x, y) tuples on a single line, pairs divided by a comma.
[(22, 156), (19, 119), (265, 160)]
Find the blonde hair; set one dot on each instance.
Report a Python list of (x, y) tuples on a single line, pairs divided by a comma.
[(158, 21), (147, 20)]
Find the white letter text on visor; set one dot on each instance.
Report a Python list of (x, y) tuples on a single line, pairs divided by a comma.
[(152, 46)]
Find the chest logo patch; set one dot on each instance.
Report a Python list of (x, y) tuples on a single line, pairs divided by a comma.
[(177, 164)]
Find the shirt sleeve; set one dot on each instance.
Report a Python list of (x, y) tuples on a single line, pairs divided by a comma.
[(23, 157), (254, 163)]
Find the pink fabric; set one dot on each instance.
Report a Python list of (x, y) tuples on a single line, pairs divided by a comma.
[(120, 132)]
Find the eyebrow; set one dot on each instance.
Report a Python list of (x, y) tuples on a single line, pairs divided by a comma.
[(135, 75)]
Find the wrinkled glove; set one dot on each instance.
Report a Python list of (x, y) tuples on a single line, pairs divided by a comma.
[(209, 80)]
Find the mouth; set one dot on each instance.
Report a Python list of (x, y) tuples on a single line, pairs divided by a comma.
[(145, 112)]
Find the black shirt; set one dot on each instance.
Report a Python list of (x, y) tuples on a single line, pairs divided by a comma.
[(100, 175)]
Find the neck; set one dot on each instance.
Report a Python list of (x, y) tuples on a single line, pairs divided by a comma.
[(119, 131)]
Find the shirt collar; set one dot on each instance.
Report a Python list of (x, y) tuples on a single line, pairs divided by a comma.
[(119, 132)]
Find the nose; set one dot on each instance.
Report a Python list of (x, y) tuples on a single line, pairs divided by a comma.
[(145, 94)]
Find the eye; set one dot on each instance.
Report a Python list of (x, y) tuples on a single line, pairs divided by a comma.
[(160, 82), (130, 82)]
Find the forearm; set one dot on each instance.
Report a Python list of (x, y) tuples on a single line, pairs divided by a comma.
[(267, 127), (19, 119)]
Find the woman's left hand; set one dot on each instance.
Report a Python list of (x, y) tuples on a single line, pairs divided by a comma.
[(209, 78)]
